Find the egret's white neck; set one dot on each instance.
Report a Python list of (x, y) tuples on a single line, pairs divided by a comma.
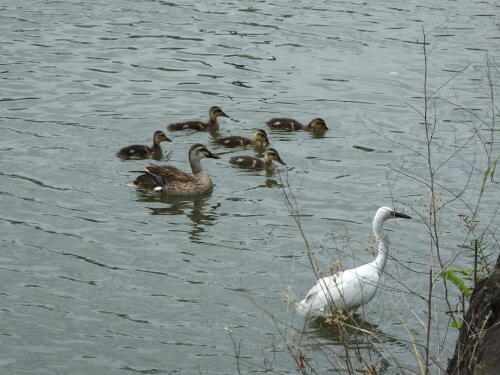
[(383, 252), (383, 242), (378, 225)]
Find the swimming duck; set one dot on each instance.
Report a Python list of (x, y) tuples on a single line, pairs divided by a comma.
[(316, 124), (171, 180), (250, 162), (212, 123), (143, 151), (259, 139)]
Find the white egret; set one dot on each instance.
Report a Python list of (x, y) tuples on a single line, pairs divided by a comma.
[(349, 289)]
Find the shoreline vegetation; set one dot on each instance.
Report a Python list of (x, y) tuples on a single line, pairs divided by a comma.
[(452, 288)]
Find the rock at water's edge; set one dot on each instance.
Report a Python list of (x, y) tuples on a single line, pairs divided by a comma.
[(478, 346)]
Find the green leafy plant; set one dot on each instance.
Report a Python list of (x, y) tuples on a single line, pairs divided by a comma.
[(451, 274)]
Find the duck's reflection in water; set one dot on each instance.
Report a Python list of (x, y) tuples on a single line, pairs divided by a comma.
[(270, 182), (196, 208), (317, 134), (214, 133)]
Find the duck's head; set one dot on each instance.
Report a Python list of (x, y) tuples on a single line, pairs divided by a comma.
[(160, 136), (385, 213), (199, 151), (215, 112), (272, 155), (260, 138), (318, 124)]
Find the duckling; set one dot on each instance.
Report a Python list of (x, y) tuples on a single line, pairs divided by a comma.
[(250, 162), (171, 180), (316, 124), (259, 139), (143, 151), (212, 124)]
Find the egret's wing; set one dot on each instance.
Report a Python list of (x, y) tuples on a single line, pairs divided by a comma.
[(321, 295), (358, 286), (346, 290)]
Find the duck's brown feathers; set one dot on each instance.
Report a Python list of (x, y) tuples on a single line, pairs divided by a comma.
[(159, 175), (175, 182), (194, 125), (137, 151), (212, 124), (250, 162), (169, 173), (142, 151), (145, 181), (284, 124), (233, 141)]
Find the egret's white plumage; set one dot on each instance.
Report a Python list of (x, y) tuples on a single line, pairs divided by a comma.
[(349, 289)]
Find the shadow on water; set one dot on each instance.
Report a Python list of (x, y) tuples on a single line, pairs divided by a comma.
[(269, 182), (214, 133), (317, 134), (259, 151), (161, 156), (195, 208), (354, 330), (356, 335)]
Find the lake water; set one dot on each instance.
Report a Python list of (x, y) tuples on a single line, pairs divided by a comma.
[(98, 278)]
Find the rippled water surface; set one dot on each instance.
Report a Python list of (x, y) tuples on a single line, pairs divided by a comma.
[(99, 278)]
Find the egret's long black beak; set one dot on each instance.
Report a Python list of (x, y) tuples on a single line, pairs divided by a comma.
[(402, 216)]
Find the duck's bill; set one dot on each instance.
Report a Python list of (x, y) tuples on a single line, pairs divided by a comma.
[(223, 114), (402, 216), (280, 161), (213, 156)]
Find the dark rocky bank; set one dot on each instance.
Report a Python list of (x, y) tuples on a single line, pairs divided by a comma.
[(478, 346)]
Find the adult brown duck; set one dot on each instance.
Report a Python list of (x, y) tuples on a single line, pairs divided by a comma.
[(171, 180)]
